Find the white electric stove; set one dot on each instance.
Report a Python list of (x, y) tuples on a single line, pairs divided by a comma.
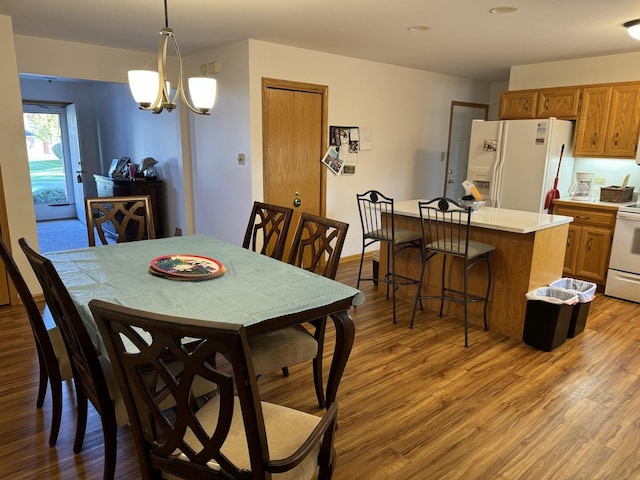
[(623, 277)]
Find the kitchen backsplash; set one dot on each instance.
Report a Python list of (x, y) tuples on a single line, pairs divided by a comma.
[(608, 172)]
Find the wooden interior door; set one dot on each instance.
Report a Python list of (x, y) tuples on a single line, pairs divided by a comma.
[(294, 137)]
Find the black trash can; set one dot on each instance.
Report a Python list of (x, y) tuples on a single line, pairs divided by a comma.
[(586, 292), (547, 318)]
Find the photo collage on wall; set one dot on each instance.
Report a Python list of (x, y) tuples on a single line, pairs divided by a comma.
[(344, 145)]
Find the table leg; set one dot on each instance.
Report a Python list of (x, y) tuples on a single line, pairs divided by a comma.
[(345, 334)]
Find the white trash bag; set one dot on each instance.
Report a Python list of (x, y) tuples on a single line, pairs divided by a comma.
[(558, 296), (586, 291)]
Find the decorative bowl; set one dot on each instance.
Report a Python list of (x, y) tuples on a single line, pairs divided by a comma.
[(474, 204)]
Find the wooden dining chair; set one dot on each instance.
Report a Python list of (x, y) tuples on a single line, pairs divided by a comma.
[(92, 372), (267, 229), (126, 218), (234, 435), (317, 245), (52, 355)]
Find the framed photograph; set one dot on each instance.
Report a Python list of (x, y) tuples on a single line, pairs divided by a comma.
[(332, 161)]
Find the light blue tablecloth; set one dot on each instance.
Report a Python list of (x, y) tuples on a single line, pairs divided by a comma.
[(253, 289)]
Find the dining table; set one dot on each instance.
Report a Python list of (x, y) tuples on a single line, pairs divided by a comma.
[(254, 290)]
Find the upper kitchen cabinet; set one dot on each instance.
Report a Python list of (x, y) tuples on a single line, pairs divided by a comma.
[(518, 104), (608, 121), (560, 102)]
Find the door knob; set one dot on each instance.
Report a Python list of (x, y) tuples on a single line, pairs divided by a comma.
[(296, 201), (451, 180)]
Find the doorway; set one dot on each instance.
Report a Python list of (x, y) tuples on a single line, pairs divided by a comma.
[(54, 160), (460, 119), (294, 137)]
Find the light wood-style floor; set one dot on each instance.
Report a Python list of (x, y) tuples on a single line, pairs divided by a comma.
[(414, 404)]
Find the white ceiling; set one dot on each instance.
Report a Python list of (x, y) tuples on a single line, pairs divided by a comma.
[(464, 39)]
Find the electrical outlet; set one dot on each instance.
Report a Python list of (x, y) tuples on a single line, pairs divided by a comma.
[(599, 181), (241, 159)]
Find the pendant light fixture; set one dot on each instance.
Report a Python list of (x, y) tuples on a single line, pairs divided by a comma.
[(152, 90)]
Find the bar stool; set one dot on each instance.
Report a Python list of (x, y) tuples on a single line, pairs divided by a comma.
[(378, 225), (446, 226)]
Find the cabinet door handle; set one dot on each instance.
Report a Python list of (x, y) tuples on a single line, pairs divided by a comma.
[(526, 106), (615, 139), (582, 217), (546, 104), (568, 242), (593, 140), (590, 242)]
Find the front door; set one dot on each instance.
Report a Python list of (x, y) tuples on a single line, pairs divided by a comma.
[(53, 160), (294, 137)]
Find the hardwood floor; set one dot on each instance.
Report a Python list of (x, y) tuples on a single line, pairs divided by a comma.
[(414, 404)]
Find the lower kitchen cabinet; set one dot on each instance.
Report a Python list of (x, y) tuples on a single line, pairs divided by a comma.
[(589, 239)]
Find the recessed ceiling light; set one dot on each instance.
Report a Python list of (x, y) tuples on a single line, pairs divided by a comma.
[(419, 28), (499, 10)]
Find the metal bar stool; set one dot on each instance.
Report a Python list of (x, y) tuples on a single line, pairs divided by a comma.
[(446, 226), (378, 225)]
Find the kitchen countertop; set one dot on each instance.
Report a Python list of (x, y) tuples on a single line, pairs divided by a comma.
[(597, 203), (502, 219)]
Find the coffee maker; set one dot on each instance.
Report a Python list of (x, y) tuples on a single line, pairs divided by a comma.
[(580, 189)]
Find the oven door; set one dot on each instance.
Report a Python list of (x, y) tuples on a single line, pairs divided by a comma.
[(625, 251)]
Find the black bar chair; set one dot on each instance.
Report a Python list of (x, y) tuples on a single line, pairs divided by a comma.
[(446, 227), (378, 225)]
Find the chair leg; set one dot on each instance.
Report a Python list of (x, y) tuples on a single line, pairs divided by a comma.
[(321, 326), (394, 284), (443, 289), (110, 436), (44, 379), (418, 292), (486, 296), (466, 305), (56, 407), (81, 420), (376, 271), (360, 269)]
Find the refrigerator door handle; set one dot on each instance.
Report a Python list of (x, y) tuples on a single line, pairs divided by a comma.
[(497, 167)]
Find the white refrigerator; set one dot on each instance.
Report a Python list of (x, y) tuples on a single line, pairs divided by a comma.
[(514, 162)]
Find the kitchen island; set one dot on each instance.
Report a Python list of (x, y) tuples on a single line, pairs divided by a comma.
[(529, 253)]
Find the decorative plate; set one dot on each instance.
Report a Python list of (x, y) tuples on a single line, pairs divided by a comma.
[(186, 267)]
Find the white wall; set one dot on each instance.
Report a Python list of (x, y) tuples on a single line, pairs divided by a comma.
[(584, 71), (126, 131), (222, 188), (407, 110)]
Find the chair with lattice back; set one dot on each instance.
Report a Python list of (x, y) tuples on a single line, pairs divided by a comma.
[(317, 245), (126, 218), (446, 227), (52, 355), (232, 435), (267, 229)]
